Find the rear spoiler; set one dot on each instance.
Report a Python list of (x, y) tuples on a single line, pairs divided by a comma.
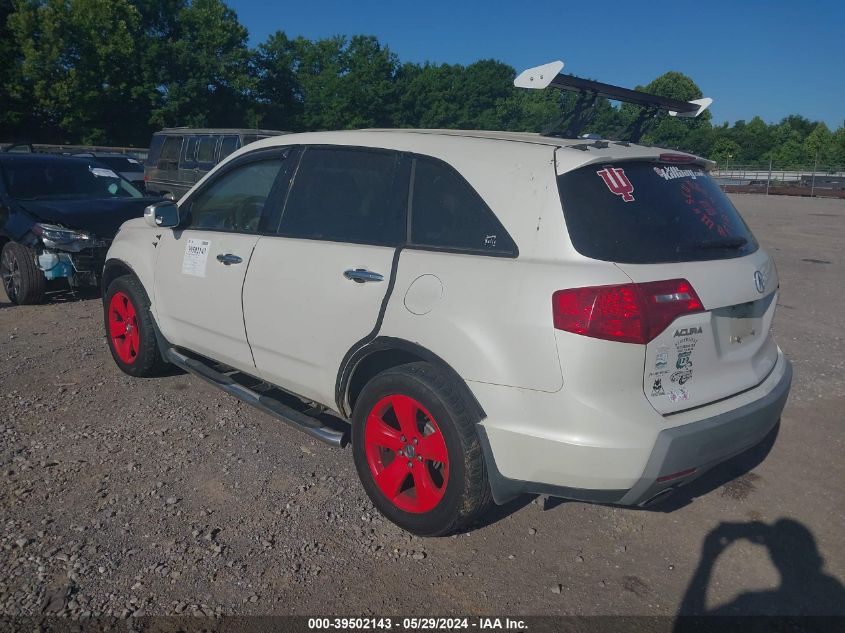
[(547, 75), (589, 91)]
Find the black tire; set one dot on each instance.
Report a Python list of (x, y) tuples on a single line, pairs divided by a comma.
[(466, 490), (145, 359), (23, 281)]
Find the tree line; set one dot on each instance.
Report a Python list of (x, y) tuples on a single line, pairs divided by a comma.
[(112, 72)]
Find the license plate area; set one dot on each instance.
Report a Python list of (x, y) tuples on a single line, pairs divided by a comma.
[(738, 326)]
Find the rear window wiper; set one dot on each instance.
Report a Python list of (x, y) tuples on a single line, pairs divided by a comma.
[(729, 243)]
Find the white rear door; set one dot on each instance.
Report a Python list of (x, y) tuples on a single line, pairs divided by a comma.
[(315, 288)]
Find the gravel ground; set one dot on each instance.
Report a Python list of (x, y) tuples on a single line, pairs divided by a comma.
[(123, 496)]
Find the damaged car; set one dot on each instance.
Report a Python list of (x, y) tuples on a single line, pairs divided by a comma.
[(58, 216)]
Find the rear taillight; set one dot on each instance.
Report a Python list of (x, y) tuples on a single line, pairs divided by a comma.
[(629, 313)]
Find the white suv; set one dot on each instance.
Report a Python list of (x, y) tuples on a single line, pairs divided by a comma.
[(485, 313)]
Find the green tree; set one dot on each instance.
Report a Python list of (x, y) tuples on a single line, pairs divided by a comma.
[(754, 138), (671, 131), (478, 96), (345, 83), (529, 110), (112, 71), (15, 94), (79, 57), (426, 95), (819, 144), (838, 148), (278, 93), (205, 74), (724, 151)]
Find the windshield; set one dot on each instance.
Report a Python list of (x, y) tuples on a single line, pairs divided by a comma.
[(120, 163), (648, 213), (65, 180)]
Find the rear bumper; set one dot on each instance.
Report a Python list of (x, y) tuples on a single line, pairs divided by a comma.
[(696, 446), (704, 444)]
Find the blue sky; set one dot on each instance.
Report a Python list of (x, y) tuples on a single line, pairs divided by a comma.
[(768, 58)]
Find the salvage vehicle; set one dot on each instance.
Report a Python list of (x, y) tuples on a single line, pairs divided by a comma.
[(125, 165), (179, 157), (482, 314), (58, 215)]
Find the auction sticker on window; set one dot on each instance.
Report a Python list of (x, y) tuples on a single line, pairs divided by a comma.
[(196, 255)]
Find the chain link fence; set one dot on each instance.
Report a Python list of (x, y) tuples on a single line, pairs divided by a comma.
[(822, 181)]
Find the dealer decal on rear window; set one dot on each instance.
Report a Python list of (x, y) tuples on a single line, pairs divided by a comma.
[(617, 182)]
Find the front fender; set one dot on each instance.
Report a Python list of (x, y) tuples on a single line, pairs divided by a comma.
[(134, 249)]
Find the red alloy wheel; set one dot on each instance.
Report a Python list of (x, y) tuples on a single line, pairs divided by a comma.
[(406, 453), (123, 327)]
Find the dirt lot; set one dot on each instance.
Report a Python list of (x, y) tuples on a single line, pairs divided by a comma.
[(165, 496)]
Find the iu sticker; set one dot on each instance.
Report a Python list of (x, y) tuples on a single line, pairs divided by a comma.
[(617, 182)]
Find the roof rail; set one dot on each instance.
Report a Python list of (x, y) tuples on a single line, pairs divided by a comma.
[(540, 77)]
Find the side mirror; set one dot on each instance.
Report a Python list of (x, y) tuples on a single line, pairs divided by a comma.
[(169, 196), (162, 215)]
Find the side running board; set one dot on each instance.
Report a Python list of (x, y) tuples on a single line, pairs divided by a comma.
[(297, 419)]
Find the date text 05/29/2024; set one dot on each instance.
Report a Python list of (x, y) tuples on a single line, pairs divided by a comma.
[(416, 624)]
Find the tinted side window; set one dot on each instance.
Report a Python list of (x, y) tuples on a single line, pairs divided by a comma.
[(190, 151), (155, 151), (205, 149), (447, 212), (346, 195), (170, 152), (229, 145), (236, 199)]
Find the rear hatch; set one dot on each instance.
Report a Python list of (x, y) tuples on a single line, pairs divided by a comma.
[(658, 220)]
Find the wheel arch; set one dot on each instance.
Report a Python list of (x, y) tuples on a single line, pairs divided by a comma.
[(134, 252), (365, 361), (112, 269)]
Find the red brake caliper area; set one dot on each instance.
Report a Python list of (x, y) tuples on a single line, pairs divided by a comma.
[(123, 327), (406, 453)]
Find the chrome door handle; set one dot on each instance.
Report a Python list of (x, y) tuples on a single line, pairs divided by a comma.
[(361, 275), (228, 259)]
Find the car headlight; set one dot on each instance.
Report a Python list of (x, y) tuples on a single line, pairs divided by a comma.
[(59, 237)]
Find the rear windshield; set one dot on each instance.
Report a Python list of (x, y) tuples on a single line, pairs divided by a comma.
[(648, 212)]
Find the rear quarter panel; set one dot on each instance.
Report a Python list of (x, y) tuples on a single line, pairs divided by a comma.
[(490, 318)]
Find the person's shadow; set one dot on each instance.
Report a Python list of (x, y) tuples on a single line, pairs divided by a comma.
[(805, 590)]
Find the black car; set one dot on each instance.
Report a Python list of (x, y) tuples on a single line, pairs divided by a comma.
[(125, 165), (58, 216)]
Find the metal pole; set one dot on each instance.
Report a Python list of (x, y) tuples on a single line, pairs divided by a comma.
[(815, 166), (769, 179)]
